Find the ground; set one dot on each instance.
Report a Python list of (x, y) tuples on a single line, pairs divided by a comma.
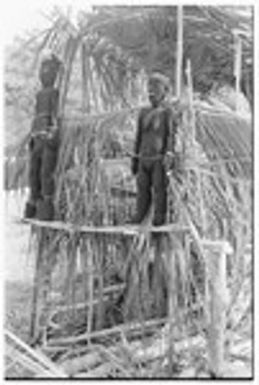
[(18, 268), (19, 279)]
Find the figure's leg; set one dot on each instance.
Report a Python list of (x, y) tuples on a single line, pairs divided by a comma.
[(49, 162), (143, 193), (159, 181), (45, 210), (34, 177)]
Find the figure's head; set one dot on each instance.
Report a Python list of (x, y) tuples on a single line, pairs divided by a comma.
[(49, 69), (158, 87)]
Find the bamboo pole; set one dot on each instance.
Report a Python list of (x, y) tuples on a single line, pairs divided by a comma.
[(37, 281), (217, 323), (67, 73), (192, 143), (191, 114), (90, 267), (135, 328), (216, 268), (172, 303), (100, 258), (35, 356), (179, 57), (237, 65), (85, 70), (125, 230)]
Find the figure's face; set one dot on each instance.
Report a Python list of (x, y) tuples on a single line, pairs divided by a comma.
[(156, 92)]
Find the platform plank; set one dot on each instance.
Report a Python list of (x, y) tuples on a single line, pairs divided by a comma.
[(120, 229)]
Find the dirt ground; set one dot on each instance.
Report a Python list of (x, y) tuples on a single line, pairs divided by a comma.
[(18, 266)]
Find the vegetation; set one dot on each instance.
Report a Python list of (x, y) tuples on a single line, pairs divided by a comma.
[(106, 59)]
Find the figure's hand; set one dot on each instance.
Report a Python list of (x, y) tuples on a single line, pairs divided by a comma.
[(178, 167), (168, 160), (180, 105), (134, 166)]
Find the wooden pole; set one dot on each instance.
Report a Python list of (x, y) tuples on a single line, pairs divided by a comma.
[(101, 249), (179, 57), (192, 144), (37, 288), (216, 268), (133, 328), (238, 65), (90, 270), (172, 303), (85, 70), (191, 114), (35, 295), (217, 308)]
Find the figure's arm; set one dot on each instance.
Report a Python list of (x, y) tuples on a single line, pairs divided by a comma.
[(135, 160), (170, 137), (173, 156), (55, 107)]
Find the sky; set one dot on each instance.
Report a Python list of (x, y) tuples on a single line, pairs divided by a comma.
[(21, 16)]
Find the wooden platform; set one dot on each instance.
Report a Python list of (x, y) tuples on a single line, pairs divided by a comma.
[(120, 229)]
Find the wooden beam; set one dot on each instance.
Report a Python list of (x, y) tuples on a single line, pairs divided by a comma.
[(37, 279), (237, 65), (179, 57), (125, 230), (133, 327), (216, 268), (34, 356), (217, 311)]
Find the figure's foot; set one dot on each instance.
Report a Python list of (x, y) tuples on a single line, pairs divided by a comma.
[(158, 223), (30, 210), (45, 209)]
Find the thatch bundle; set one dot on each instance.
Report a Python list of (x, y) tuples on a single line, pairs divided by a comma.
[(94, 185), (84, 176), (216, 197)]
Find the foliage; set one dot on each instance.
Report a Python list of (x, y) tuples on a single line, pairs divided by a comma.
[(108, 56)]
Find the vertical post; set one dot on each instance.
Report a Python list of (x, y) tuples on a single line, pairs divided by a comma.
[(217, 308), (238, 65), (101, 245), (172, 305), (90, 270), (192, 143), (85, 96), (190, 103), (179, 57), (37, 288), (35, 295)]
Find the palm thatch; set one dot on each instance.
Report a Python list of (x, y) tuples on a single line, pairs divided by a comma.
[(23, 361), (113, 49), (106, 53)]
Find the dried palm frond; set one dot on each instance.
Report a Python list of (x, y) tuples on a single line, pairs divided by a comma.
[(85, 184), (32, 364)]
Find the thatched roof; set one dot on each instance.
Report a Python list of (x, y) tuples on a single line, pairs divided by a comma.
[(113, 44), (107, 55), (148, 34), (226, 138)]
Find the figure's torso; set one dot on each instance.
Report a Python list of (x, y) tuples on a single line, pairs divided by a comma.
[(154, 131), (45, 109)]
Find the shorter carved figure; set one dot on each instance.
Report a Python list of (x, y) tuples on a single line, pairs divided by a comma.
[(156, 137)]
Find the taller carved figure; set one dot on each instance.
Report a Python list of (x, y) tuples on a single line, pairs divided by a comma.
[(44, 143)]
